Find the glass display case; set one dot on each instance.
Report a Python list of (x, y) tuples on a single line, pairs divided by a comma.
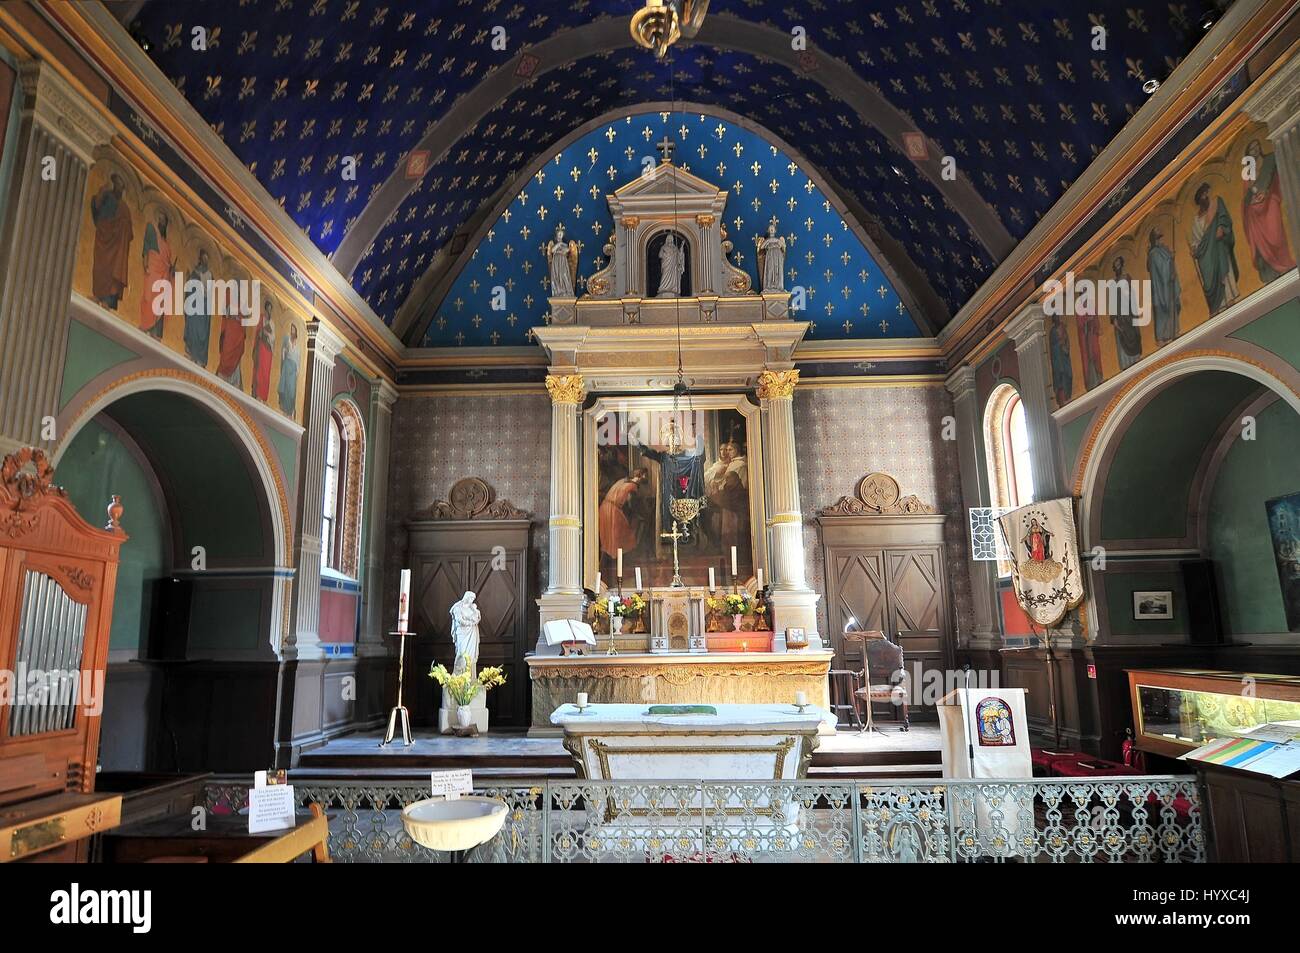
[(1176, 710)]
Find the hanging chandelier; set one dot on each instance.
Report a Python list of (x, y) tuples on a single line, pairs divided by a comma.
[(661, 23)]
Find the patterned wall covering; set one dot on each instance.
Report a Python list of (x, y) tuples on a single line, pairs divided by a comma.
[(1014, 91), (835, 451), (846, 290), (1198, 260), (505, 440)]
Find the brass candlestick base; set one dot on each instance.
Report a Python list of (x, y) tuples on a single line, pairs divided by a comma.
[(399, 711)]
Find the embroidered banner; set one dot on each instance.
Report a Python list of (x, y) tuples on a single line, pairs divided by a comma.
[(1045, 571)]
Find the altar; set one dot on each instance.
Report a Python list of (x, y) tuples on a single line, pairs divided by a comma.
[(642, 679)]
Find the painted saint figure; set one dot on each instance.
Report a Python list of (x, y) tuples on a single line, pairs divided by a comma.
[(1089, 345), (465, 617), (1166, 292), (158, 264), (1261, 216), (263, 352), (726, 482), (231, 348), (287, 389), (1058, 341), (198, 310), (672, 265), (1128, 336), (618, 530), (771, 259), (1214, 249), (1038, 542), (113, 235)]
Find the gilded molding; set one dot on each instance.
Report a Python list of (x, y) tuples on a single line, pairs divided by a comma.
[(680, 673), (565, 388), (777, 385)]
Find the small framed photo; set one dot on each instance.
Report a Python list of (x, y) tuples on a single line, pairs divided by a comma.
[(795, 637), (1149, 605)]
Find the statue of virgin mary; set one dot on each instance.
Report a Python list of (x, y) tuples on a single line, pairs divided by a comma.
[(465, 617)]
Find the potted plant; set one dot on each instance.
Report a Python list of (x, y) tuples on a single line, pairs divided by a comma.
[(465, 686), (735, 604)]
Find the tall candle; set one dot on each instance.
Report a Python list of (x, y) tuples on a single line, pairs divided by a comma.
[(597, 589), (733, 561), (404, 601), (712, 585), (760, 578), (620, 564), (638, 578)]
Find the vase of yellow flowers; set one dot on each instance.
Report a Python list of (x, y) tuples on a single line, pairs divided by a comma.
[(464, 686), (734, 604)]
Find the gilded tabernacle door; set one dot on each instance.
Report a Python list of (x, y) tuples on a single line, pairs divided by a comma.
[(647, 464)]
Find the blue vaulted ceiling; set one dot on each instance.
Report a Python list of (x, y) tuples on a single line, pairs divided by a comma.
[(1015, 90), (845, 288)]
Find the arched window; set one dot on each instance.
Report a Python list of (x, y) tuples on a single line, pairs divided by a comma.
[(1007, 452), (341, 501)]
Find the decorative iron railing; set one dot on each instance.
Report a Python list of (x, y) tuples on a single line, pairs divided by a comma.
[(1041, 820)]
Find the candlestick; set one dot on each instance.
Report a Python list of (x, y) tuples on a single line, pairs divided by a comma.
[(403, 601), (733, 561), (638, 578), (620, 564), (712, 584), (597, 589)]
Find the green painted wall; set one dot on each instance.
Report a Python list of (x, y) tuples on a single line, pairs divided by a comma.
[(96, 465), (1253, 471), (1146, 493), (1072, 435), (1121, 583), (89, 354), (1278, 331)]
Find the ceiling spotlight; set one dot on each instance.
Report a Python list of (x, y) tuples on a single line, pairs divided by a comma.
[(661, 23), (897, 171), (1150, 86), (1210, 18), (137, 33)]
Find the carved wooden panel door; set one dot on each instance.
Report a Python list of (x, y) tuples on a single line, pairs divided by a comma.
[(857, 594), (439, 582), (918, 617), (501, 631)]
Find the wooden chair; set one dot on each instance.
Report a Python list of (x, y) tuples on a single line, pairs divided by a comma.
[(313, 836), (846, 683), (883, 660)]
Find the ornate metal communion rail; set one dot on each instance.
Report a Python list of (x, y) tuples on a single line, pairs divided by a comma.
[(1153, 819)]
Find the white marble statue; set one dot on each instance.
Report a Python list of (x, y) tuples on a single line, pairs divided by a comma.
[(771, 259), (672, 265), (562, 263), (465, 617)]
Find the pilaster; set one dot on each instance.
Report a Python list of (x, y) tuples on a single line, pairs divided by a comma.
[(563, 598), (1028, 330), (370, 640), (57, 134)]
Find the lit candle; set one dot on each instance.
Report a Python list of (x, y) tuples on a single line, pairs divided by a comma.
[(612, 600), (404, 601), (712, 586), (800, 698), (760, 578), (620, 564), (733, 561), (638, 578), (582, 699), (597, 589)]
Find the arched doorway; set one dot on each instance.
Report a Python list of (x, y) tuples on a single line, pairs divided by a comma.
[(200, 591)]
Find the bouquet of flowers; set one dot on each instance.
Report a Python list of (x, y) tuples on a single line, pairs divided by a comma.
[(733, 603), (465, 686), (632, 605)]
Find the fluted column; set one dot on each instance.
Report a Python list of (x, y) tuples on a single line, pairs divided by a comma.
[(974, 492), (323, 346), (1029, 332), (57, 134), (370, 640), (793, 603), (1277, 104), (563, 597)]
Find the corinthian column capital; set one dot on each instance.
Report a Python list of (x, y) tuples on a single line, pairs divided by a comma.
[(777, 385), (565, 388)]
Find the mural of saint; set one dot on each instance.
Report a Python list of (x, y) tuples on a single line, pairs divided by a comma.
[(158, 264), (1058, 342), (263, 353), (1166, 293), (113, 235), (231, 346), (726, 483), (1261, 217), (287, 390), (619, 525), (198, 310), (1089, 345), (1128, 336), (1214, 249)]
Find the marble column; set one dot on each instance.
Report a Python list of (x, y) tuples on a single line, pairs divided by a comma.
[(793, 603), (370, 640), (323, 346), (563, 598), (57, 134), (1028, 330), (986, 632), (1277, 104)]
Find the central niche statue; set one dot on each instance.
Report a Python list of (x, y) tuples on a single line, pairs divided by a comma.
[(562, 263), (771, 259), (672, 264)]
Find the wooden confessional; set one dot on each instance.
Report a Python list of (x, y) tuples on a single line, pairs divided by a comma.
[(57, 577)]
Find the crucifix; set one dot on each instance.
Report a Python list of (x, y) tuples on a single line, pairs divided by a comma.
[(675, 535), (665, 148)]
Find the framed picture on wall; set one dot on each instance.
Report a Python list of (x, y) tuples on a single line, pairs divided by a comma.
[(1284, 531), (1149, 605)]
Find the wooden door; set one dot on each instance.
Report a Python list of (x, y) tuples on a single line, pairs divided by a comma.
[(502, 632), (856, 594), (918, 617), (439, 582)]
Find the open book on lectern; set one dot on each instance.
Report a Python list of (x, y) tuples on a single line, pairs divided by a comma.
[(562, 631)]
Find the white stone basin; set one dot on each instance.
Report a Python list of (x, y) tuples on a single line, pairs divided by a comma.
[(454, 825)]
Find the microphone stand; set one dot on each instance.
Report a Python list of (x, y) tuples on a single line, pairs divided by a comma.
[(970, 737)]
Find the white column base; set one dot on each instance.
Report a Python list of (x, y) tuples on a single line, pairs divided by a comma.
[(798, 608), (556, 605)]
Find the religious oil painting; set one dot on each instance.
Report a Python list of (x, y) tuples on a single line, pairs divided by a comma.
[(660, 477), (1284, 530)]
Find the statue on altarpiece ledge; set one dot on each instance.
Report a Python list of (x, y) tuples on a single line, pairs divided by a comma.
[(771, 259), (562, 264)]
